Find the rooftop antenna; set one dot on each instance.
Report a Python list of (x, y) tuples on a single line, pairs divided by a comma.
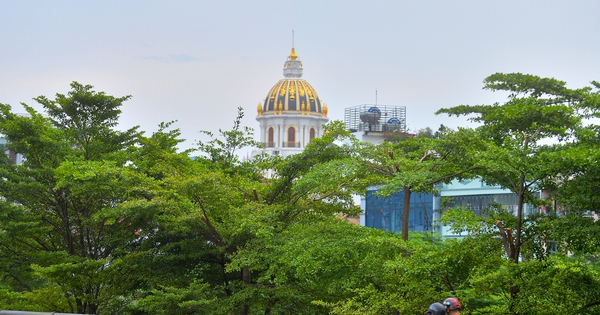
[(375, 96)]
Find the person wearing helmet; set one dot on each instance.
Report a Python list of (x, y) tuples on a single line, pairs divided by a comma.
[(452, 306), (436, 309)]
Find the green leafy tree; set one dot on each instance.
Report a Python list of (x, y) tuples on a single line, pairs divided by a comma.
[(579, 187), (546, 285), (522, 142), (416, 165), (224, 213), (526, 145), (61, 217)]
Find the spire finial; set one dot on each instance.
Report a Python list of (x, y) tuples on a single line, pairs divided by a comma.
[(292, 67), (293, 55)]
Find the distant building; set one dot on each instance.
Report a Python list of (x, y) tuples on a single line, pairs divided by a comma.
[(292, 114), (386, 213), (372, 123), (15, 158), (476, 195), (376, 118)]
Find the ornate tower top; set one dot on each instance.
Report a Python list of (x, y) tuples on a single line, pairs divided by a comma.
[(292, 95), (292, 68)]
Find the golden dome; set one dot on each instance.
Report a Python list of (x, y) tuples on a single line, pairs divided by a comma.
[(292, 95)]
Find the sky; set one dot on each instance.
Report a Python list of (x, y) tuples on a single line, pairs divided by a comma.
[(196, 62)]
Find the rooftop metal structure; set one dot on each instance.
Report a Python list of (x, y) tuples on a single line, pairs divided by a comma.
[(375, 118)]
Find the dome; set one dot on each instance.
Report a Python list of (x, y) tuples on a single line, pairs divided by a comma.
[(292, 95)]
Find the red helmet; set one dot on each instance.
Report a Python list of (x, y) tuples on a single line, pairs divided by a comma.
[(452, 304)]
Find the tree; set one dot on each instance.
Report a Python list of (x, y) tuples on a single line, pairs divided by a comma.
[(525, 145), (545, 279), (230, 213), (579, 186), (416, 164), (62, 218), (514, 151)]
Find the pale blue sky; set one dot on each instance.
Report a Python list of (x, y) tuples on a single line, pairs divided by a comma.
[(197, 61)]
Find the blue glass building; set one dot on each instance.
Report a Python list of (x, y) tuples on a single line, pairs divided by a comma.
[(386, 213)]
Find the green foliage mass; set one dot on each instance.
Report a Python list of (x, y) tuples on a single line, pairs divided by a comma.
[(103, 221)]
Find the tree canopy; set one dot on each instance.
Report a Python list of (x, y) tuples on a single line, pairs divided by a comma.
[(104, 221)]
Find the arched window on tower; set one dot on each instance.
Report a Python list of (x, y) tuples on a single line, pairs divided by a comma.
[(270, 138), (311, 134), (291, 138)]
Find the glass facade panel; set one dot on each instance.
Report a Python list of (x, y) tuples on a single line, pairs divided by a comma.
[(478, 203), (386, 213)]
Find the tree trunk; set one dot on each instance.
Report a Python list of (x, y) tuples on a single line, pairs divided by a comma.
[(516, 248), (80, 306), (521, 202), (406, 213), (247, 278)]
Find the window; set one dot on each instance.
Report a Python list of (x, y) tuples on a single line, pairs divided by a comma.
[(291, 135), (291, 138), (311, 134), (271, 136)]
